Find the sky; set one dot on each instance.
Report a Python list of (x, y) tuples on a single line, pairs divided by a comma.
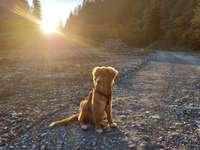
[(55, 10)]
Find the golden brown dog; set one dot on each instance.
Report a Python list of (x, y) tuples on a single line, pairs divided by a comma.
[(97, 106)]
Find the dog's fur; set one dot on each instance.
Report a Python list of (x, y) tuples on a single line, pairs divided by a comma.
[(97, 106)]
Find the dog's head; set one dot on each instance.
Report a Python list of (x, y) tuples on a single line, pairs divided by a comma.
[(104, 77)]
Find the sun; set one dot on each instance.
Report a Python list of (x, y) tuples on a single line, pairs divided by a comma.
[(48, 27)]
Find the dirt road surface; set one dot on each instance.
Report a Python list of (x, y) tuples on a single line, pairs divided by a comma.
[(156, 101)]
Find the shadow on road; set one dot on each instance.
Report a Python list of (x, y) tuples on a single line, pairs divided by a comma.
[(176, 57)]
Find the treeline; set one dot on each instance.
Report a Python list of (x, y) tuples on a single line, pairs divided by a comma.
[(141, 23), (18, 23)]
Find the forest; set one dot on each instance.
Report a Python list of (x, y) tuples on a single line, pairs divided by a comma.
[(139, 23), (155, 23)]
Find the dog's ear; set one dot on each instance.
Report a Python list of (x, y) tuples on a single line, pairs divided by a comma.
[(96, 73), (113, 71)]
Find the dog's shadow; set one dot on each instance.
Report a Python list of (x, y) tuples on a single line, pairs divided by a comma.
[(73, 137)]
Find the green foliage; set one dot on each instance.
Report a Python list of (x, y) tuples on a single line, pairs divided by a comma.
[(137, 22)]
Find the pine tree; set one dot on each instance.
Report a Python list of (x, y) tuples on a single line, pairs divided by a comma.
[(37, 9), (85, 2), (155, 22), (195, 27)]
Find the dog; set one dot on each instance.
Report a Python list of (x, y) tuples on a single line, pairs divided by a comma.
[(97, 106)]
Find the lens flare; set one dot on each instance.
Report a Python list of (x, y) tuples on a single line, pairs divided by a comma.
[(48, 27)]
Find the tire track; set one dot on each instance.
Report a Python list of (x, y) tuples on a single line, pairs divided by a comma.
[(130, 71)]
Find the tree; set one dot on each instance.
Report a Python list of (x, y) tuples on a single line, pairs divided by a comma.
[(195, 27), (138, 22), (153, 23), (37, 9)]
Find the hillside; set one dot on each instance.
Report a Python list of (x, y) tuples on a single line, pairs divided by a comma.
[(16, 29), (141, 23)]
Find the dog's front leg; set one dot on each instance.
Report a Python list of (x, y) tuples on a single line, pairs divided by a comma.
[(97, 117), (109, 115)]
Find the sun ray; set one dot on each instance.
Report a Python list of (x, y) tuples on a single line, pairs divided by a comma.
[(49, 27)]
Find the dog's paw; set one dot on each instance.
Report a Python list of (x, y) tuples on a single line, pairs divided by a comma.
[(99, 130), (113, 125), (52, 124), (84, 127)]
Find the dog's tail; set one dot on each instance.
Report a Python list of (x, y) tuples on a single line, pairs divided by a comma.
[(64, 121)]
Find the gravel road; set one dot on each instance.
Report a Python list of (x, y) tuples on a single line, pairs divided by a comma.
[(156, 104)]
